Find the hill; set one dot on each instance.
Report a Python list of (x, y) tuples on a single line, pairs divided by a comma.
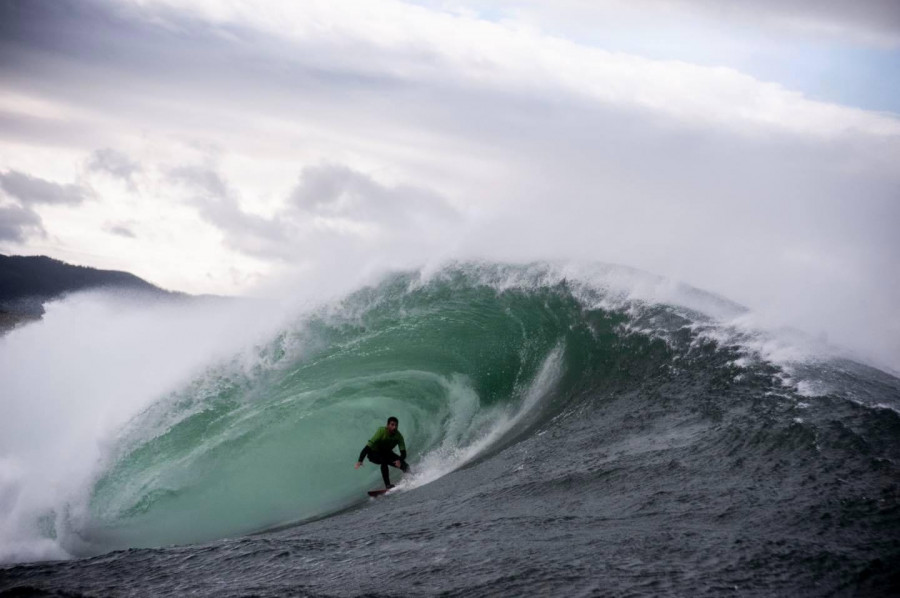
[(27, 282)]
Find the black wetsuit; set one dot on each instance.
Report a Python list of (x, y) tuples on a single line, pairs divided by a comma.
[(380, 451)]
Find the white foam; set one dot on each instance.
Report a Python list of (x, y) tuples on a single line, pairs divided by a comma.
[(70, 384), (466, 441)]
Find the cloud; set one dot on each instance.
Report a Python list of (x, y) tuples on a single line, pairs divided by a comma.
[(17, 222), (206, 53), (218, 205), (202, 179), (249, 233), (413, 46), (335, 191), (121, 230), (331, 208), (115, 163), (441, 133), (875, 22), (870, 22), (33, 190)]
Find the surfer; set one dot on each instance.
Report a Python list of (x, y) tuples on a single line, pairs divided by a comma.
[(380, 450)]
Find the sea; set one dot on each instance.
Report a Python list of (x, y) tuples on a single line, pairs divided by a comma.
[(573, 430)]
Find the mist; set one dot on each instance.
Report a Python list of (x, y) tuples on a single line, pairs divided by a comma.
[(74, 380)]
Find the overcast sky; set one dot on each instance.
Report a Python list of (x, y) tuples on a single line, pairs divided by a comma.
[(205, 146)]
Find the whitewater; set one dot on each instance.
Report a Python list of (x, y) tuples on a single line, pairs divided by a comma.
[(573, 428)]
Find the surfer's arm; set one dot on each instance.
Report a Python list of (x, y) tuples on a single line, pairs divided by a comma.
[(370, 446)]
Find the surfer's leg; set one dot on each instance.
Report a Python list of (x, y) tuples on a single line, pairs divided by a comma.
[(383, 461), (385, 476), (403, 465), (393, 458)]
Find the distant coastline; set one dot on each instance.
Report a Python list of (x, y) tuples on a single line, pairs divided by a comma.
[(28, 282)]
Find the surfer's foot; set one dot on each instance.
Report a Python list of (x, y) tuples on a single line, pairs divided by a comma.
[(389, 486)]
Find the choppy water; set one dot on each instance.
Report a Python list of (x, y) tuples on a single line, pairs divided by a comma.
[(567, 437)]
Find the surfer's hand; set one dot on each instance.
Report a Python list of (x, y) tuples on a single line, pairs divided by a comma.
[(358, 464), (397, 463)]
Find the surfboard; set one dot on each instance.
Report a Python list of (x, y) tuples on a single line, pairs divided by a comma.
[(377, 493)]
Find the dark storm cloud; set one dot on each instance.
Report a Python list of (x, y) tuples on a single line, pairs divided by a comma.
[(17, 222), (33, 190), (115, 163)]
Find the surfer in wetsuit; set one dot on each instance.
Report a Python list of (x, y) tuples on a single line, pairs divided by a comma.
[(380, 450)]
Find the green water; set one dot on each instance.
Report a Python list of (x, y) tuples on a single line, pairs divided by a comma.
[(246, 446)]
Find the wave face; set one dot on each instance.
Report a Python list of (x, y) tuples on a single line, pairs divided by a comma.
[(242, 449), (575, 428)]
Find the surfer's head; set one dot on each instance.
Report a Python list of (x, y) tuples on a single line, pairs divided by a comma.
[(392, 424)]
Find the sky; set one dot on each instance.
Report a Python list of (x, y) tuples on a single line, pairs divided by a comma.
[(749, 149)]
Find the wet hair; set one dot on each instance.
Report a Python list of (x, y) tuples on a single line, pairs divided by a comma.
[(393, 419)]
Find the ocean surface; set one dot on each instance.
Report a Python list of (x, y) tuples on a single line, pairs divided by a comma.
[(572, 431)]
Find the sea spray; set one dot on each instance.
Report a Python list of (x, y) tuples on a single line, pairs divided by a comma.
[(72, 381)]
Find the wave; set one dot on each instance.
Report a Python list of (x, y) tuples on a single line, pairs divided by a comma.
[(470, 357)]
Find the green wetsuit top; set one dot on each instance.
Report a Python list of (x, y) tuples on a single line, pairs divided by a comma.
[(382, 442)]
